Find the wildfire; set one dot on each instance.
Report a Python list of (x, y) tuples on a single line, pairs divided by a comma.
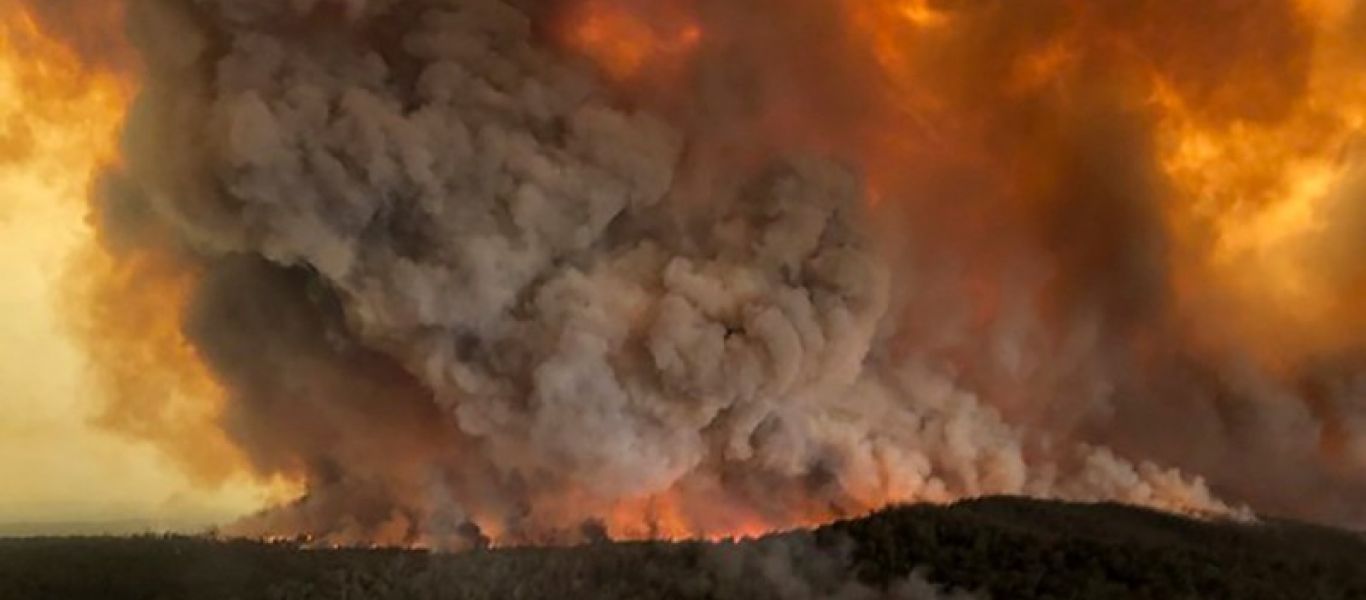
[(61, 113), (628, 37), (1258, 196), (60, 120), (681, 515), (1258, 157), (1255, 163)]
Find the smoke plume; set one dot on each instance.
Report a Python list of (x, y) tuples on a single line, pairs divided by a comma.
[(497, 269)]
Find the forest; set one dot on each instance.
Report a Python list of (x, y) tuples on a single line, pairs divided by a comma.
[(987, 548)]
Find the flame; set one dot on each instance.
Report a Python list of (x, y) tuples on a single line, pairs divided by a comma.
[(60, 121), (61, 114), (1254, 171), (683, 513), (627, 38), (921, 13), (1256, 197)]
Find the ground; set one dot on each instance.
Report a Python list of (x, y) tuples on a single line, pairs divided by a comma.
[(997, 547)]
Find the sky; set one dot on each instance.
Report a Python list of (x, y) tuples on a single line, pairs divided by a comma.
[(55, 465)]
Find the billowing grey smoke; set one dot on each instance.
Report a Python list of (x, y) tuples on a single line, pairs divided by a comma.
[(451, 280)]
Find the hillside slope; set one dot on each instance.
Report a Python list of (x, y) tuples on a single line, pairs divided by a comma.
[(999, 547)]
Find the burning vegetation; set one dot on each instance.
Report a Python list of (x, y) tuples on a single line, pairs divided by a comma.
[(526, 271)]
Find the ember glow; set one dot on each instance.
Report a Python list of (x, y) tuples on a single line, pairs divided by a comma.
[(521, 271), (627, 37)]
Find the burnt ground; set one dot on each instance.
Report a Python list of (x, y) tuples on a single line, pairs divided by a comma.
[(996, 547)]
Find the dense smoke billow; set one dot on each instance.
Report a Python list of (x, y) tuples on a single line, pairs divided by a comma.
[(467, 286)]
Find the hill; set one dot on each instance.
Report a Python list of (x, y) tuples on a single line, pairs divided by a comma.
[(998, 547)]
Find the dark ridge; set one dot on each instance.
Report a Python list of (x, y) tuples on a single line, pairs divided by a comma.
[(1019, 548), (995, 547)]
